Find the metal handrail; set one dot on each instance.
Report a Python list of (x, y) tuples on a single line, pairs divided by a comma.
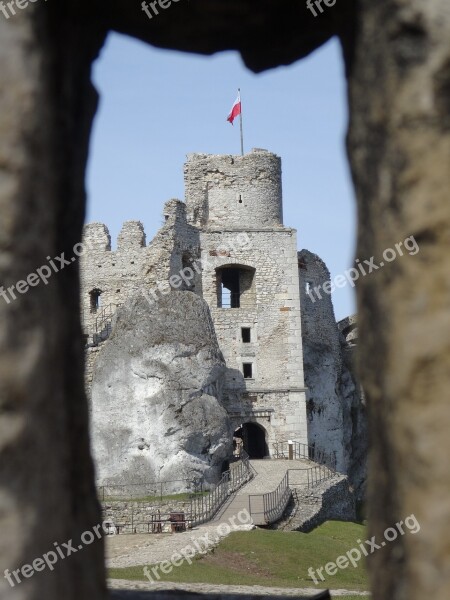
[(299, 451), (274, 503), (105, 316), (103, 323), (314, 475), (203, 509)]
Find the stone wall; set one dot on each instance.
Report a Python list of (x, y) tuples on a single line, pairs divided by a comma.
[(134, 517), (232, 198), (234, 191), (272, 314), (116, 275), (332, 499), (47, 491), (398, 145)]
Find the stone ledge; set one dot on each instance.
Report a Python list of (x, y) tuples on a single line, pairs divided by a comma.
[(176, 594)]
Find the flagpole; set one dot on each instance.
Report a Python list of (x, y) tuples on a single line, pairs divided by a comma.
[(242, 128)]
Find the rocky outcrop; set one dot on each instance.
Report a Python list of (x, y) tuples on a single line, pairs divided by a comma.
[(161, 367), (358, 442), (336, 413)]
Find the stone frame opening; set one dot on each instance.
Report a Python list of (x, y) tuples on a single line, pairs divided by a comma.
[(254, 438), (95, 300), (235, 286)]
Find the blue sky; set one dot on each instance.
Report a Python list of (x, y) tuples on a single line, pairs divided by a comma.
[(156, 106)]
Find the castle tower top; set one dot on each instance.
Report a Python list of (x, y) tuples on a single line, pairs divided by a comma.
[(243, 192)]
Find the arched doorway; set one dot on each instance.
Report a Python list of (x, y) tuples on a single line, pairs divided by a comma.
[(254, 438)]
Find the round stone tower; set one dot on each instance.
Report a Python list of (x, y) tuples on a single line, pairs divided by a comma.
[(234, 191)]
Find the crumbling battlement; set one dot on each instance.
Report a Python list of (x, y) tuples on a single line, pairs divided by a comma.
[(109, 276)]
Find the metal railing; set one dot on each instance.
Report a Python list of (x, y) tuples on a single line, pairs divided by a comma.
[(103, 323), (230, 300), (200, 506), (268, 508), (311, 476), (299, 451), (204, 508), (237, 300), (156, 522)]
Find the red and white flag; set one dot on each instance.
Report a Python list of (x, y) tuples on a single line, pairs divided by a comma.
[(236, 110)]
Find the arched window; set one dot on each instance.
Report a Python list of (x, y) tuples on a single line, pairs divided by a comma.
[(235, 286)]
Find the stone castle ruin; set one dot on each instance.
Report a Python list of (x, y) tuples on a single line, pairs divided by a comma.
[(209, 333)]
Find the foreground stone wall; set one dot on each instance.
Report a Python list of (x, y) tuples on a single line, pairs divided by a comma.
[(206, 593), (47, 491), (399, 144)]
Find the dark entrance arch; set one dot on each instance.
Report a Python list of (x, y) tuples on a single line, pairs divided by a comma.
[(254, 438)]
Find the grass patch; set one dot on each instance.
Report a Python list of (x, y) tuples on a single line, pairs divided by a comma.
[(351, 597), (271, 558)]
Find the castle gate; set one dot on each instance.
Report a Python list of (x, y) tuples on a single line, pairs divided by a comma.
[(254, 437)]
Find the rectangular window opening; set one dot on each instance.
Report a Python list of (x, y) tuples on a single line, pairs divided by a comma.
[(246, 334), (248, 370), (95, 300)]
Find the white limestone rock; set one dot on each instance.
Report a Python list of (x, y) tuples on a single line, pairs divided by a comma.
[(156, 395)]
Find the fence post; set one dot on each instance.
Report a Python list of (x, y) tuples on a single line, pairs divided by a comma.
[(291, 449)]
